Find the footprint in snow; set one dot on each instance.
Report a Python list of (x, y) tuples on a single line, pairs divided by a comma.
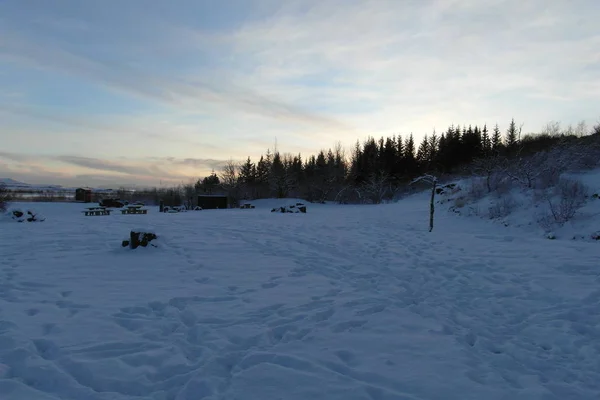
[(348, 326)]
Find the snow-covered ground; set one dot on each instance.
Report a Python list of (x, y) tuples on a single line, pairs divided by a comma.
[(528, 209), (344, 302)]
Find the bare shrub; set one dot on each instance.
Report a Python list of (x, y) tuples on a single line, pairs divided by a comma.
[(568, 197), (478, 188), (460, 202), (502, 185), (5, 197), (548, 178), (502, 207), (377, 187)]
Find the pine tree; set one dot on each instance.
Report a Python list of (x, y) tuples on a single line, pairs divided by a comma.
[(390, 156), (434, 143), (423, 154), (410, 162), (496, 139), (248, 172), (263, 170), (278, 181), (486, 143), (356, 165), (512, 134)]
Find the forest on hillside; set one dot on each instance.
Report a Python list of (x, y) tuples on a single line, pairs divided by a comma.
[(378, 170), (381, 169)]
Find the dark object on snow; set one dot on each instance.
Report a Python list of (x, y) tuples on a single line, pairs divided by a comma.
[(212, 202), (133, 209), (293, 209), (246, 206), (595, 196), (90, 211), (450, 188), (197, 208), (29, 216), (174, 209), (83, 195), (113, 203), (596, 235), (161, 206), (137, 239)]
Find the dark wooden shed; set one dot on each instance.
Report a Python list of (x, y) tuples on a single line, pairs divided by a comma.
[(212, 201), (83, 195)]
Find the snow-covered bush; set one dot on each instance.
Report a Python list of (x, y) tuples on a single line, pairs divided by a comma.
[(477, 189), (20, 215), (460, 202), (502, 206), (567, 197)]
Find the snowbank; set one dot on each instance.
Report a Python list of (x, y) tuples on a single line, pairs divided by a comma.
[(338, 304), (534, 211)]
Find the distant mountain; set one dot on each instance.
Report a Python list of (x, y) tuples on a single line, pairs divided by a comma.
[(13, 184)]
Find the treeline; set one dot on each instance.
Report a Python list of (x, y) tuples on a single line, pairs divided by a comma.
[(376, 169)]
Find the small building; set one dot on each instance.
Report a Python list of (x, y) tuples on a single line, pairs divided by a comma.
[(83, 195), (212, 201)]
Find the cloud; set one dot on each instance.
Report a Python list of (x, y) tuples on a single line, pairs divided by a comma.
[(150, 170), (193, 93), (407, 60), (231, 80)]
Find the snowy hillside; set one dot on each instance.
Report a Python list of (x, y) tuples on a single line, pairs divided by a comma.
[(569, 210), (343, 302)]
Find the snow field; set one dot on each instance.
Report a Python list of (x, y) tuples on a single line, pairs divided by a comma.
[(344, 302)]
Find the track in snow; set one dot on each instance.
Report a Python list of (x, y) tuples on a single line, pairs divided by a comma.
[(343, 302)]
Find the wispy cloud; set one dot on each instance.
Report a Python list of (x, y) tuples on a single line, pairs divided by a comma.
[(210, 80), (206, 89), (149, 171)]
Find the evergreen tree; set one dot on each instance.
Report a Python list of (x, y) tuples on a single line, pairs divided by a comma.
[(371, 160), (496, 139), (434, 143), (248, 172), (486, 142), (263, 170), (390, 156), (410, 162), (423, 154), (356, 165), (278, 178), (512, 136)]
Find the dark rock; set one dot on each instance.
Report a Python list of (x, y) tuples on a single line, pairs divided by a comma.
[(29, 216), (137, 239), (292, 209)]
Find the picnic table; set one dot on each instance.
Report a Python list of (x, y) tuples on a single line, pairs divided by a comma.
[(90, 211), (134, 209)]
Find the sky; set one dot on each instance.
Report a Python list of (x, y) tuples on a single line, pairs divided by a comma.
[(149, 92)]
